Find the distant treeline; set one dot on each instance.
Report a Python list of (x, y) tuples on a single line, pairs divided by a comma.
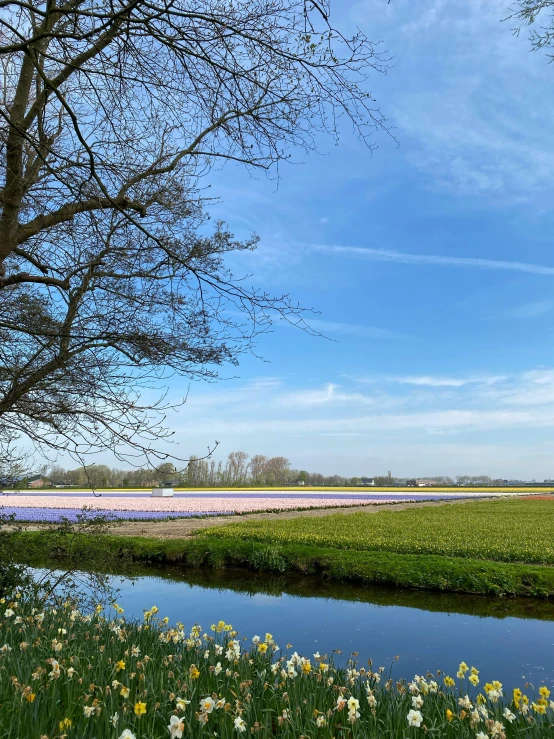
[(237, 471)]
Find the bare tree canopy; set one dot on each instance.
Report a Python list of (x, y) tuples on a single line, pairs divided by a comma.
[(537, 13), (111, 113)]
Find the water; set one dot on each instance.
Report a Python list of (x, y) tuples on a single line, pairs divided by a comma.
[(508, 640)]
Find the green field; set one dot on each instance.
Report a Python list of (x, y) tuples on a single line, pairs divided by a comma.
[(500, 530)]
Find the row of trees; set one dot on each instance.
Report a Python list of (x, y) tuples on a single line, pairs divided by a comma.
[(238, 470)]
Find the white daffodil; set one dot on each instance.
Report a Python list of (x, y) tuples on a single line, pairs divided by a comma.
[(417, 701), (207, 705), (414, 718), (240, 725), (127, 734), (465, 703), (508, 715), (176, 727)]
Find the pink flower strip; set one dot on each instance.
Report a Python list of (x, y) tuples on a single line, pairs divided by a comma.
[(187, 505)]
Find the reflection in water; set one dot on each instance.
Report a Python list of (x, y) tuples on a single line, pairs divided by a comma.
[(511, 640)]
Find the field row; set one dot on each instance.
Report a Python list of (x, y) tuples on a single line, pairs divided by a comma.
[(51, 507), (512, 530)]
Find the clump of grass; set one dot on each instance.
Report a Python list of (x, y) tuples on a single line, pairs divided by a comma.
[(67, 673)]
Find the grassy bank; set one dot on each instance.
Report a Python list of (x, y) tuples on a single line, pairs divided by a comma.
[(385, 568), (500, 547), (64, 673)]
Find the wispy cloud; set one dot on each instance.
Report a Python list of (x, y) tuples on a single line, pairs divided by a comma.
[(352, 329), (529, 310), (437, 381), (461, 121), (386, 255)]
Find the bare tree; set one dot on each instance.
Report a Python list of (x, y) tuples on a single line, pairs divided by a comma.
[(257, 468), (237, 467), (110, 115), (540, 15), (276, 470)]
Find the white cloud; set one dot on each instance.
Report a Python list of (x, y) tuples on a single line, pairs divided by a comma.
[(351, 329), (387, 255), (470, 105), (530, 310), (437, 381)]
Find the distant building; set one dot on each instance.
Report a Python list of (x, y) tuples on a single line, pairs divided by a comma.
[(420, 483), (37, 482)]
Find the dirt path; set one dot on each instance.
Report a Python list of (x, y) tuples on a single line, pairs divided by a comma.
[(182, 528)]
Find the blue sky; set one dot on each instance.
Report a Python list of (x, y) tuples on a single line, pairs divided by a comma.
[(430, 263)]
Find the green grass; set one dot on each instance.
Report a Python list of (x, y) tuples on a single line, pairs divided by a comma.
[(497, 530), (500, 547)]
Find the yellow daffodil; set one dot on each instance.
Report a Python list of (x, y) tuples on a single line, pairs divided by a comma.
[(140, 709)]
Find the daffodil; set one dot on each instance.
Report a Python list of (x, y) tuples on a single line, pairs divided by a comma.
[(176, 727), (240, 725), (207, 705), (414, 718), (140, 709)]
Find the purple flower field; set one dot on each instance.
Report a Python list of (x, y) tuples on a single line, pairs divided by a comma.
[(54, 515)]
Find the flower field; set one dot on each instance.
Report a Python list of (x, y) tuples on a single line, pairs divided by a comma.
[(67, 674), (54, 515), (50, 507), (514, 530)]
